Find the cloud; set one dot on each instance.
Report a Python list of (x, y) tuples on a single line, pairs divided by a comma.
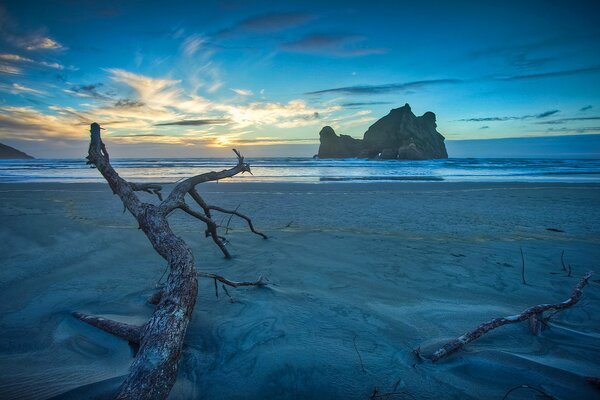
[(191, 44), (387, 88), (564, 120), (151, 91), (31, 41), (586, 129), (9, 69), (17, 88), (196, 122), (28, 123), (365, 103), (545, 114), (269, 140), (15, 58), (243, 92), (128, 103), (36, 42), (550, 74), (586, 108), (90, 90), (331, 44), (146, 105), (282, 115), (267, 23)]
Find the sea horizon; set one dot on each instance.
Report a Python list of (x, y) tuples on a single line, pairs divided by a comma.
[(311, 170)]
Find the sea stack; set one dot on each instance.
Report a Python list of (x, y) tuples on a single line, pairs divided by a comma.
[(399, 135), (334, 146)]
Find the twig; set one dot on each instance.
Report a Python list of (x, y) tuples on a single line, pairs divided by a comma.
[(362, 366), (540, 391), (562, 261), (227, 293), (457, 344), (216, 289), (262, 281), (229, 220)]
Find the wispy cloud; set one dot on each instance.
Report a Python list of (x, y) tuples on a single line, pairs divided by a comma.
[(128, 103), (90, 90), (196, 122), (9, 69), (387, 88), (266, 23), (365, 103), (17, 88), (191, 44), (38, 42), (31, 41), (243, 92), (545, 114), (28, 123), (151, 91), (550, 74), (331, 44), (13, 59), (565, 120)]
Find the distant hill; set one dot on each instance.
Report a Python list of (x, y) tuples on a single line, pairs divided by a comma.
[(7, 152)]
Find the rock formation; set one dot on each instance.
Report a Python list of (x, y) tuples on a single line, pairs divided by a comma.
[(398, 135), (7, 152), (334, 146)]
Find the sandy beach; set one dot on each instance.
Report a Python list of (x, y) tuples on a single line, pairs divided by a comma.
[(361, 274)]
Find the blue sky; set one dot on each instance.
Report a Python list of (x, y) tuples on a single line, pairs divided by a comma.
[(172, 78)]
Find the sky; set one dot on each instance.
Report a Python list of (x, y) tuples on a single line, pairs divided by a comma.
[(177, 79)]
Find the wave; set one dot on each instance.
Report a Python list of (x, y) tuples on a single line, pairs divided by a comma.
[(298, 169)]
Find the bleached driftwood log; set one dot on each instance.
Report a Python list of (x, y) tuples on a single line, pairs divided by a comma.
[(535, 314), (154, 369)]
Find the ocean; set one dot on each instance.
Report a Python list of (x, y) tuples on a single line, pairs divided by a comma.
[(308, 170)]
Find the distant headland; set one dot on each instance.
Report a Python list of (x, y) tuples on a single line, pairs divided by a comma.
[(7, 153), (399, 135)]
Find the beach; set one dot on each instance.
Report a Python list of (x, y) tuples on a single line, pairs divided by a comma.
[(361, 274)]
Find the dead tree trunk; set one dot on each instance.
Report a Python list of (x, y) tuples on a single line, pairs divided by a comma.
[(154, 369), (534, 314)]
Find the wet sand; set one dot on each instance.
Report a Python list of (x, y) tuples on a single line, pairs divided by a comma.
[(361, 275)]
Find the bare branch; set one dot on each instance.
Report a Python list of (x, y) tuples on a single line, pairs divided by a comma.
[(540, 391), (457, 344), (235, 212), (185, 186), (262, 281), (211, 225), (151, 188)]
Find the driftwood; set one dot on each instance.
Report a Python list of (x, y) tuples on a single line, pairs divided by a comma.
[(534, 314), (154, 369)]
